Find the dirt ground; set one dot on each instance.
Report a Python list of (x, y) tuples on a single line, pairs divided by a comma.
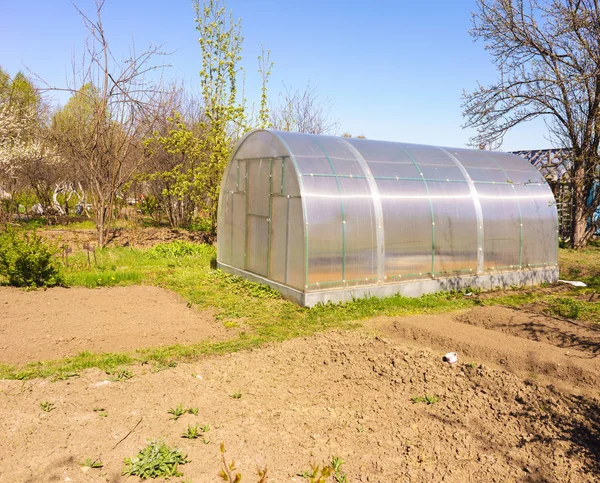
[(61, 322), (346, 394), (122, 237)]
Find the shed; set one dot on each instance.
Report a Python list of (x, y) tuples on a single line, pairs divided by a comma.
[(323, 218)]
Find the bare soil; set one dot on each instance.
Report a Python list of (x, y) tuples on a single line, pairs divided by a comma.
[(122, 237), (346, 394), (60, 322)]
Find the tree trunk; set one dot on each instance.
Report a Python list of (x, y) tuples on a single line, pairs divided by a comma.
[(579, 230)]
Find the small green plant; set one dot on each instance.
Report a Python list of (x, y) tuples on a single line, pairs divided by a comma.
[(47, 406), (156, 460), (338, 475), (90, 463), (100, 411), (121, 375), (331, 472), (228, 472), (317, 474), (177, 411), (26, 260), (193, 432), (428, 399), (236, 395)]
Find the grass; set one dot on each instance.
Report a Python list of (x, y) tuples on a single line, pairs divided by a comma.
[(186, 269)]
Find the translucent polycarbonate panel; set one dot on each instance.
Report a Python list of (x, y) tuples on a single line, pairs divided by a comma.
[(324, 226), (427, 154), (278, 241), (260, 144), (538, 211), (241, 175), (335, 147), (501, 225), (230, 179), (314, 165), (519, 176), (471, 158), (360, 262), (277, 175), (296, 260), (407, 228), (290, 179), (259, 172), (258, 243), (455, 229), (347, 167), (488, 175), (226, 232), (451, 173), (511, 161), (380, 151), (301, 144), (386, 169), (238, 239)]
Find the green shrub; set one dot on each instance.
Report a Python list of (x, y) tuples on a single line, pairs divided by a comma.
[(27, 261)]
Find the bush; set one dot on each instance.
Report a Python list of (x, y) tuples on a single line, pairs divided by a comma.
[(27, 261)]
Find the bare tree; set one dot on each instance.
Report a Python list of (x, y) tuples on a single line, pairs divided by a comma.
[(303, 111), (548, 59), (101, 129)]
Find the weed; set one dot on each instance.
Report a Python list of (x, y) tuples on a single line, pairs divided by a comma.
[(47, 406), (338, 475), (100, 411), (121, 375), (428, 399), (564, 307), (193, 432), (236, 395), (90, 463), (321, 474), (177, 412), (156, 460), (228, 472)]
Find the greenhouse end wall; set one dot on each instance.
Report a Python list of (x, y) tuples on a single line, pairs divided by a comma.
[(323, 218)]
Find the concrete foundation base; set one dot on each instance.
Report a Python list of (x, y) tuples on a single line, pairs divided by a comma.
[(414, 288)]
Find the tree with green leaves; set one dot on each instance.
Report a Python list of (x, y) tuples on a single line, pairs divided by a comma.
[(547, 54)]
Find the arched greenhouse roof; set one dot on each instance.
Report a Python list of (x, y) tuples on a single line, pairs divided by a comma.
[(341, 217)]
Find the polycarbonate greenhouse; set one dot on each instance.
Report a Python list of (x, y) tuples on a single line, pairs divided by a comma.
[(324, 218)]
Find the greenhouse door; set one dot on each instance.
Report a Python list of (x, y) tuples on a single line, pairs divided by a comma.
[(258, 172)]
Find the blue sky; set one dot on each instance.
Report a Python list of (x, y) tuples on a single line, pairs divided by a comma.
[(391, 70)]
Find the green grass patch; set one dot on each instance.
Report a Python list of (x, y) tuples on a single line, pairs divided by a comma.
[(186, 269)]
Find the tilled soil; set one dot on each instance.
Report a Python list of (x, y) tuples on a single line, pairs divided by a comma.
[(521, 404), (60, 322), (303, 401)]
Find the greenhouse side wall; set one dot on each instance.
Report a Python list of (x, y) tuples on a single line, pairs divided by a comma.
[(339, 218)]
